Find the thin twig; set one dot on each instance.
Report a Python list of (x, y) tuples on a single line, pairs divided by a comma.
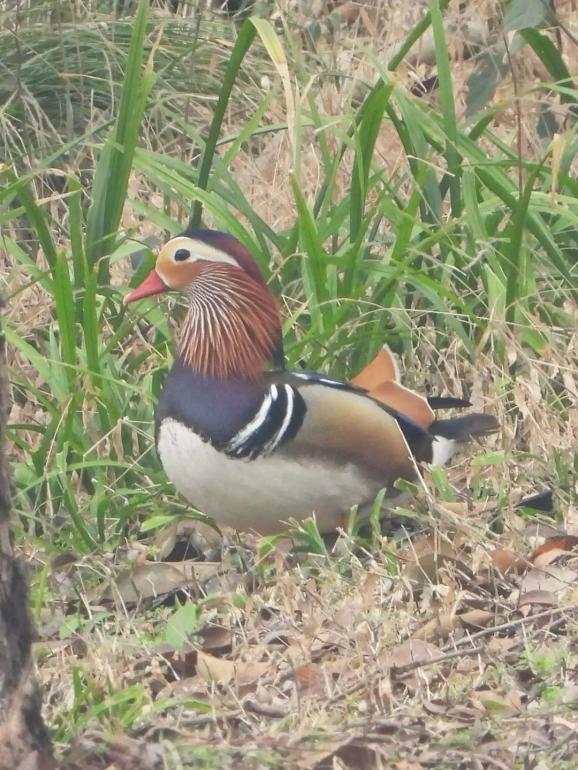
[(450, 651), (407, 667), (511, 624)]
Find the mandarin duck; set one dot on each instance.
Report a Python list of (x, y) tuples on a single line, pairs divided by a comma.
[(254, 446)]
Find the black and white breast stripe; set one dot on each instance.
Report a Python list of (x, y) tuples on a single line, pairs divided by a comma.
[(277, 420)]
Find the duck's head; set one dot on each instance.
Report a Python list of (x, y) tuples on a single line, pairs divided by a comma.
[(232, 328), (187, 256)]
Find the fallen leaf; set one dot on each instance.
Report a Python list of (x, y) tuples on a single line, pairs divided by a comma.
[(536, 598), (501, 644), (216, 638), (156, 578), (212, 669), (427, 558), (368, 589), (309, 678), (413, 651), (247, 675), (439, 627), (188, 689), (508, 561), (495, 702), (442, 625), (477, 618), (455, 506), (554, 579), (243, 674), (553, 548), (348, 614)]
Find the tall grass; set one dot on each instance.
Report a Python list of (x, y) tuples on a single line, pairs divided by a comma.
[(62, 67), (448, 241)]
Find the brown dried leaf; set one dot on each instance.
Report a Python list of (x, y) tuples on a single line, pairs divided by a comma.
[(183, 688), (508, 561), (413, 651), (248, 674), (439, 627), (495, 702), (533, 598), (501, 644), (155, 578), (426, 560), (553, 548), (243, 674), (216, 638), (555, 579), (368, 586), (309, 678), (212, 669), (347, 615), (455, 506), (477, 618)]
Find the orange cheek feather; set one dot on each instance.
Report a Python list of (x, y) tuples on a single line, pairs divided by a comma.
[(178, 275)]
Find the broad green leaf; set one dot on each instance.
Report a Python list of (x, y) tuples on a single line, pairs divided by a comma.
[(491, 67), (521, 14)]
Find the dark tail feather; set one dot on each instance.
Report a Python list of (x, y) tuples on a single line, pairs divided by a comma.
[(542, 501), (463, 428), (447, 402)]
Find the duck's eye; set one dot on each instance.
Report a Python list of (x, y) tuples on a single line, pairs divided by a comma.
[(181, 255)]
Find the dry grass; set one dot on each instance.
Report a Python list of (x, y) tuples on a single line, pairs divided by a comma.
[(457, 649)]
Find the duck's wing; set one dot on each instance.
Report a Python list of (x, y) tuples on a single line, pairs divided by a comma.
[(382, 381), (312, 416), (346, 423), (383, 367)]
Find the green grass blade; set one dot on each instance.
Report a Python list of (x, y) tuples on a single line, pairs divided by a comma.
[(115, 162), (514, 266), (242, 45), (36, 217), (414, 35), (314, 259), (452, 155), (76, 241), (65, 315), (370, 119), (551, 58)]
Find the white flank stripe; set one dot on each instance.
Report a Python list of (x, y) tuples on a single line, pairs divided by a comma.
[(274, 442), (316, 378), (241, 438), (443, 449), (327, 381)]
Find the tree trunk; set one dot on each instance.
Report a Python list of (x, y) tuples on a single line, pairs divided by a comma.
[(24, 741)]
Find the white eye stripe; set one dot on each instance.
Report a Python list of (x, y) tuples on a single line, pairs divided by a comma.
[(219, 256), (198, 250)]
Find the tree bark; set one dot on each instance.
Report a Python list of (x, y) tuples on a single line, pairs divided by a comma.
[(24, 741)]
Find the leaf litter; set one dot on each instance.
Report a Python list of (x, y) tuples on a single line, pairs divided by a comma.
[(418, 650)]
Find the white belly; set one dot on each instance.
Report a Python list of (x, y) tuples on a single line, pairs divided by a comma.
[(260, 494)]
